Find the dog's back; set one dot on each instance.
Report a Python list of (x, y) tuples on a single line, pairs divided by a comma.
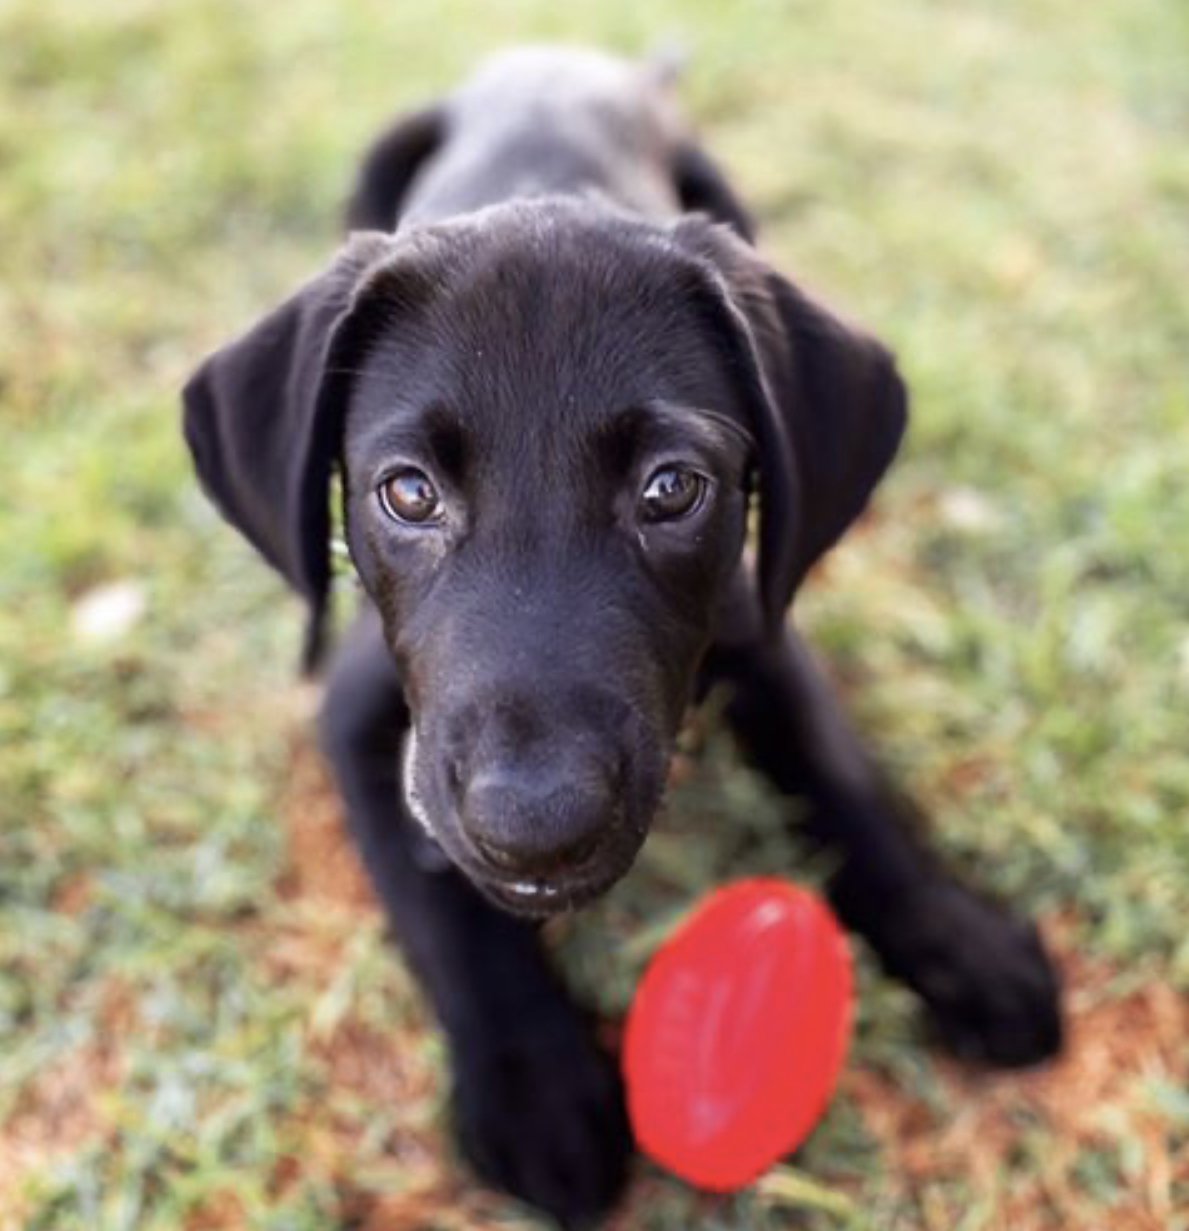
[(538, 121)]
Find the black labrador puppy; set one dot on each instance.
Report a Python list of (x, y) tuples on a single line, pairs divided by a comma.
[(552, 372)]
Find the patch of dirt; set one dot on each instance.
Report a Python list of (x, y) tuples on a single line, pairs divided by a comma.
[(1095, 1098), (436, 1206), (323, 865), (367, 1068), (59, 1109)]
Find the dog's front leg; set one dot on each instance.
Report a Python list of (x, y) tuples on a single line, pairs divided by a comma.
[(538, 1107), (984, 975)]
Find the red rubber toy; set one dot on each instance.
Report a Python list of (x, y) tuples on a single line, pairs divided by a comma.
[(737, 1033)]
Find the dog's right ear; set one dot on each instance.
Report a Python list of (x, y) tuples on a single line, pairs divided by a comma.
[(263, 417), (390, 166)]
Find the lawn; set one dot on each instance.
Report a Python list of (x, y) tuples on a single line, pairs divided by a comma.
[(203, 1025)]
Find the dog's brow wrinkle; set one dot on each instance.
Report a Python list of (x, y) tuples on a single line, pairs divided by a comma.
[(616, 438), (447, 438)]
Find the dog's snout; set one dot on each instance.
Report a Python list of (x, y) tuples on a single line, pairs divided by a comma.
[(532, 823)]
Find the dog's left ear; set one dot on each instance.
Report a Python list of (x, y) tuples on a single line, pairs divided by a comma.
[(261, 417), (827, 405), (702, 188)]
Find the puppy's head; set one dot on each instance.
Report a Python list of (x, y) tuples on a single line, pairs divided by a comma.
[(548, 418)]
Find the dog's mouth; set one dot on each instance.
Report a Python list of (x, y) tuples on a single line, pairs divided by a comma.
[(538, 898), (528, 897)]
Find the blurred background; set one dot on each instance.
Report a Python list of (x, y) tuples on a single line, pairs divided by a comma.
[(201, 1025)]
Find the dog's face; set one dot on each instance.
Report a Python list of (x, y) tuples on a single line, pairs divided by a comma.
[(545, 465), (547, 416)]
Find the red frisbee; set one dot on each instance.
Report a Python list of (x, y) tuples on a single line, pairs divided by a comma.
[(737, 1033)]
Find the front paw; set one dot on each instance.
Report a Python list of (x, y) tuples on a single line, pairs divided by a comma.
[(991, 989), (544, 1119)]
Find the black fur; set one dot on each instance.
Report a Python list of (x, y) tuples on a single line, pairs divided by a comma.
[(556, 301)]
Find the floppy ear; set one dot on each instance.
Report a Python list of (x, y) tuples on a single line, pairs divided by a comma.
[(390, 166), (702, 188), (827, 404), (262, 419)]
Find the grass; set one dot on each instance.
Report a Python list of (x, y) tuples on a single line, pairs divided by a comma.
[(203, 1026)]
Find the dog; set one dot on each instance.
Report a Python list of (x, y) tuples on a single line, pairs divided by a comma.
[(554, 376)]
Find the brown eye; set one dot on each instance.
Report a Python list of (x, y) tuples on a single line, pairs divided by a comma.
[(672, 492), (409, 496)]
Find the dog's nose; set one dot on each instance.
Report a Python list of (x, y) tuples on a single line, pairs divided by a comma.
[(532, 822)]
